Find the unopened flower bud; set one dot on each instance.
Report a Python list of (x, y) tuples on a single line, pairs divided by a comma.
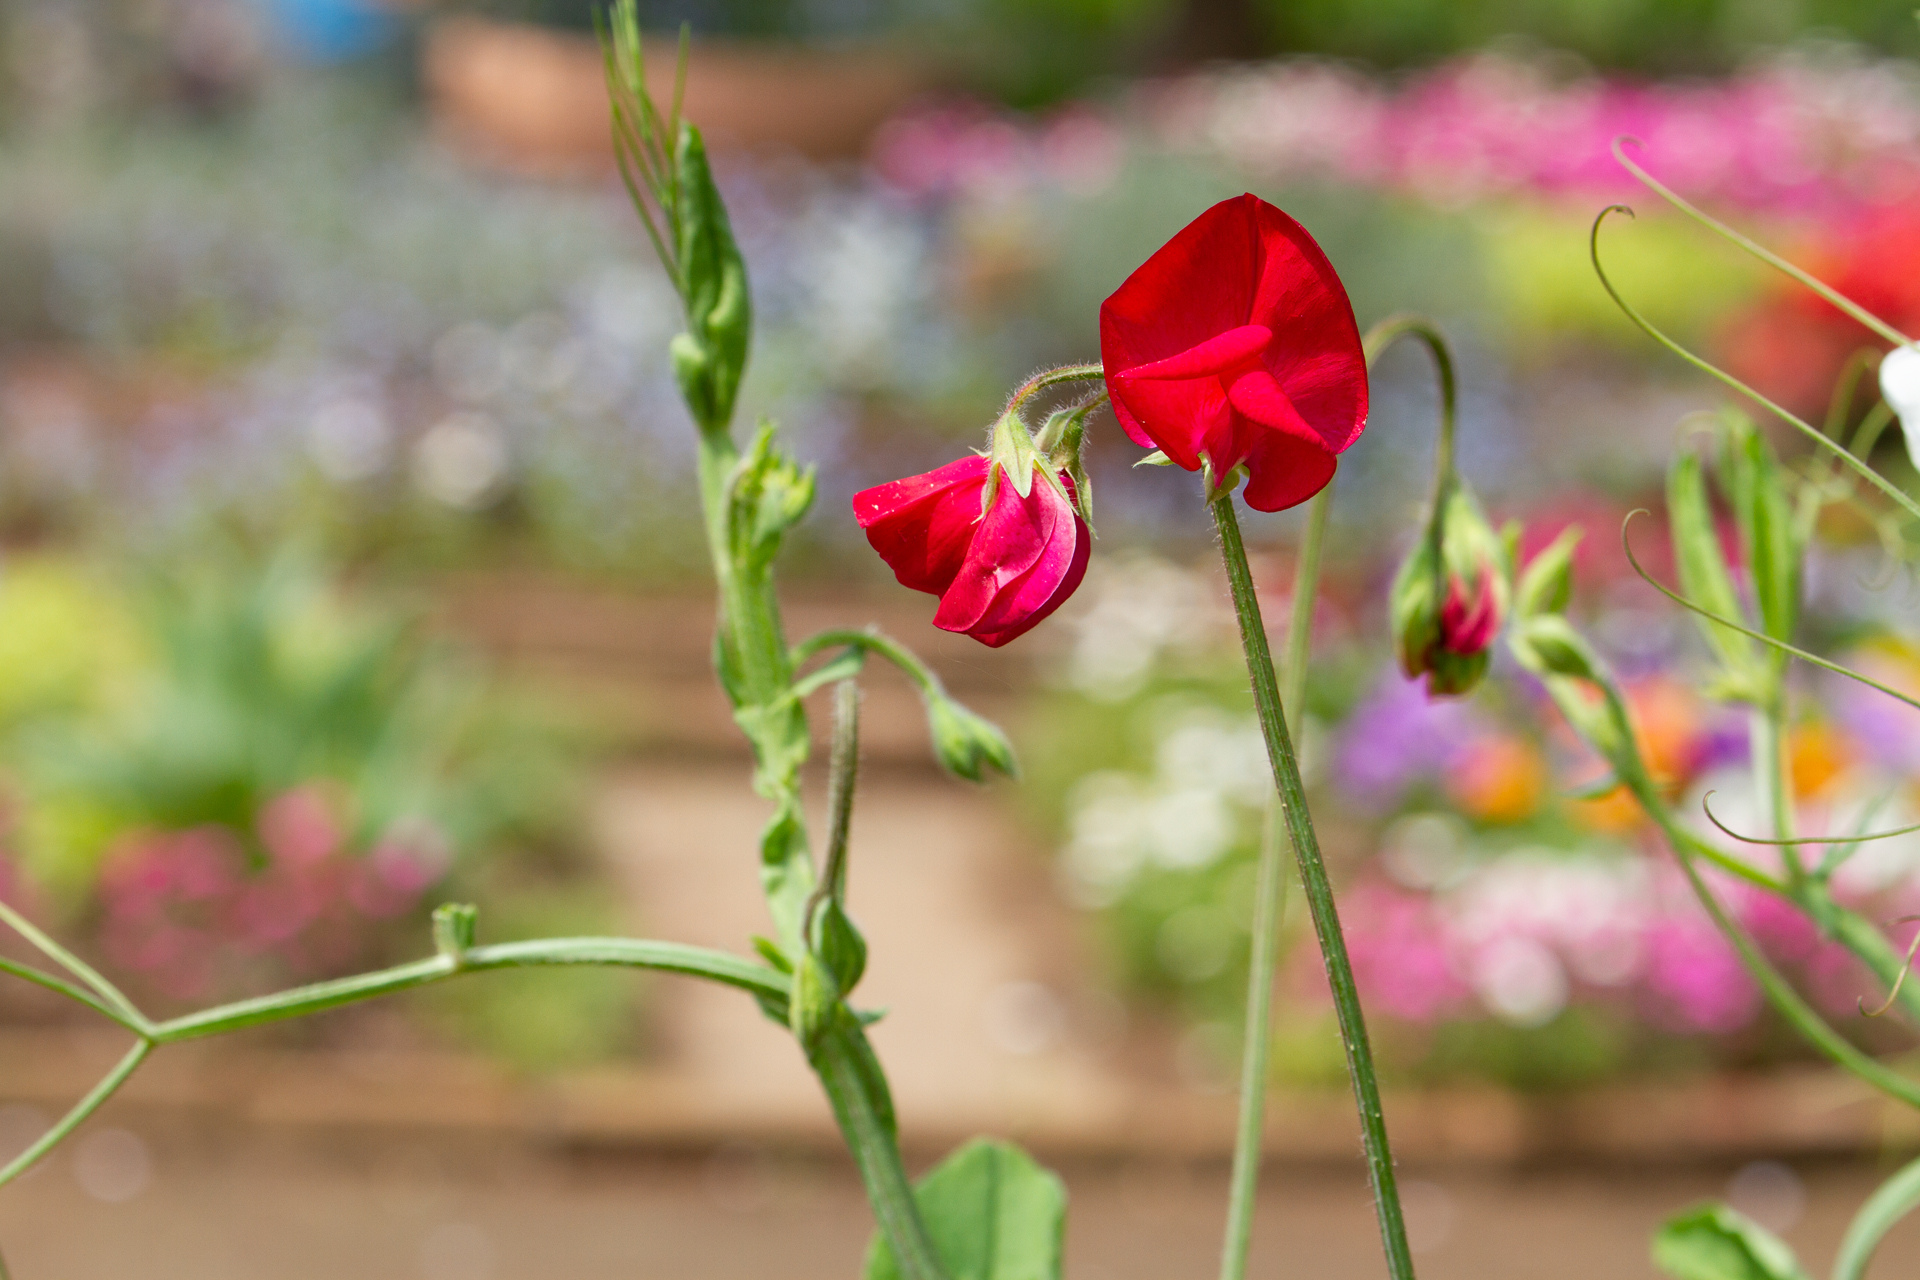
[(966, 743), (1450, 598), (710, 357)]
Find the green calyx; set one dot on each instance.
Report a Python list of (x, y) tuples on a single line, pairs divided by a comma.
[(1460, 567), (1014, 456)]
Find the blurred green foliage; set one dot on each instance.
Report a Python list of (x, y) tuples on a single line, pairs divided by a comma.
[(1033, 51), (212, 688)]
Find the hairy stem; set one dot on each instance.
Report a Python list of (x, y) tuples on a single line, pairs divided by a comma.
[(848, 1071), (1317, 888)]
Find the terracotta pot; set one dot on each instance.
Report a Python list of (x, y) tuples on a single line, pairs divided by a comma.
[(532, 100)]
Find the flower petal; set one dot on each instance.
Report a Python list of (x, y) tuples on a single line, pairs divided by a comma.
[(1068, 583), (1215, 356), (1284, 471), (923, 525), (1014, 535)]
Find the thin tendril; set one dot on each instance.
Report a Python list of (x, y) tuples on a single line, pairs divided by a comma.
[(1711, 616), (1901, 981), (1754, 247), (1659, 335), (1860, 838)]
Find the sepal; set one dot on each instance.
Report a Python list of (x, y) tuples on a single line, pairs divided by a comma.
[(1546, 585)]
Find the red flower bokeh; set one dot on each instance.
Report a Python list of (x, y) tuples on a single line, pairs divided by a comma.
[(998, 571), (1235, 343)]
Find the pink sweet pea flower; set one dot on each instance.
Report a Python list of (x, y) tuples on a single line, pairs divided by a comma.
[(1235, 343), (999, 570)]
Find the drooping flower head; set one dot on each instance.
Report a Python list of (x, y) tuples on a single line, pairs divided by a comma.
[(999, 560), (1235, 344)]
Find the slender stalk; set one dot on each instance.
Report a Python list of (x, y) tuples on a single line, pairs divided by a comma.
[(81, 1110), (842, 773), (1767, 744), (1317, 888), (850, 1075), (1894, 1200), (1754, 247), (39, 977), (1306, 589), (669, 957), (128, 1015), (1839, 451), (1052, 378), (1269, 905)]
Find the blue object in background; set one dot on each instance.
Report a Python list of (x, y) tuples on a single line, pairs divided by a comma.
[(328, 31)]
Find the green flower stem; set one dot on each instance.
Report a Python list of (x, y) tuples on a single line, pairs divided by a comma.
[(1780, 993), (1052, 378), (844, 1061), (1894, 1200), (1767, 739), (1268, 908), (752, 633), (1318, 889), (81, 1110), (669, 957), (873, 641), (1409, 325), (766, 984), (1306, 590), (1269, 905)]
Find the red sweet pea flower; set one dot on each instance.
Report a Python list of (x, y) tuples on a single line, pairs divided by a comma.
[(1236, 343), (997, 571)]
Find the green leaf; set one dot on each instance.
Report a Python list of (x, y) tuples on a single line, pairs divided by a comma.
[(1703, 569), (993, 1214), (1764, 514), (1547, 584), (1713, 1242)]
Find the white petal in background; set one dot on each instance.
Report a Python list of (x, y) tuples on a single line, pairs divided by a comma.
[(1900, 384)]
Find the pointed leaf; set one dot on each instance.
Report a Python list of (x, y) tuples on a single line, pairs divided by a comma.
[(1703, 569), (993, 1214), (1713, 1242)]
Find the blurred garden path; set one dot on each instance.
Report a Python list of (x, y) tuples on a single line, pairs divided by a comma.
[(239, 1206)]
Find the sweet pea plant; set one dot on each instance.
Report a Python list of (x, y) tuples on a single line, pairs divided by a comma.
[(1231, 354)]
